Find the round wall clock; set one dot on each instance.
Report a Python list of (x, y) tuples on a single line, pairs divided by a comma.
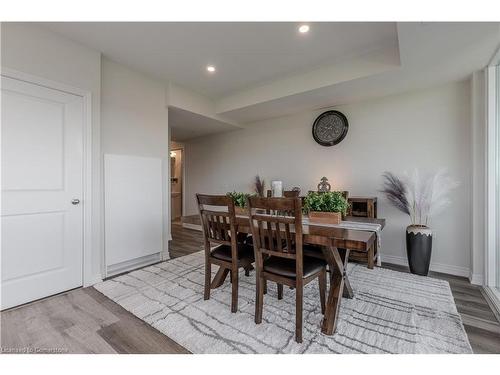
[(330, 128)]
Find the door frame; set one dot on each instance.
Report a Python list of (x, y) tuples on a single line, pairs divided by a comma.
[(86, 95), (492, 209), (180, 148)]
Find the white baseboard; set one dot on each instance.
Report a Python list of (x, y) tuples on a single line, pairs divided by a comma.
[(94, 280), (436, 267), (130, 265), (476, 279), (191, 226), (493, 297)]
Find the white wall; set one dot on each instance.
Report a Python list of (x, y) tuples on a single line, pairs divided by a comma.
[(131, 113), (134, 121), (427, 129), (34, 50)]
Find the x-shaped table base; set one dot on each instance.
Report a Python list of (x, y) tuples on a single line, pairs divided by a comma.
[(337, 260)]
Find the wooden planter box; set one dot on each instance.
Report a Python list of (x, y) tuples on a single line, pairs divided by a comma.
[(240, 210), (325, 217)]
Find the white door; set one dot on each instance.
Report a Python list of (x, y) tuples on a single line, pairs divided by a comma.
[(42, 146)]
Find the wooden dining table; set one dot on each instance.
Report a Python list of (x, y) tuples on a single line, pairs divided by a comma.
[(335, 244)]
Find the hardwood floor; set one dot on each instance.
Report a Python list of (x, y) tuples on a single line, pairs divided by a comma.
[(480, 323), (184, 241), (80, 321), (85, 321)]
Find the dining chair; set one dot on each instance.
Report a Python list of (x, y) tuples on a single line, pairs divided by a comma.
[(284, 265), (219, 228), (286, 194)]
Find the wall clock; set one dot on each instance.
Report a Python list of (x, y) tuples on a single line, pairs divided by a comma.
[(330, 128)]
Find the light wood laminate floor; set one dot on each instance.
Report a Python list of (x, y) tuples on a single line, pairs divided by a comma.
[(85, 321)]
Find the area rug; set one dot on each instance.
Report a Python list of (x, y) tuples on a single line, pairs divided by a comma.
[(392, 312)]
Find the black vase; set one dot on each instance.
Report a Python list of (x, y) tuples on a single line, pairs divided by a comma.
[(419, 248)]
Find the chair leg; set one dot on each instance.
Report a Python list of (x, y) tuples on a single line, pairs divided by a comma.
[(280, 291), (248, 268), (322, 290), (299, 294), (234, 293), (208, 275), (265, 286), (259, 299)]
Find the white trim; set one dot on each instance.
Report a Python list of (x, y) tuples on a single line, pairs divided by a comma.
[(133, 264), (491, 177), (436, 267), (88, 277), (168, 202), (476, 279), (192, 226), (183, 172), (493, 296)]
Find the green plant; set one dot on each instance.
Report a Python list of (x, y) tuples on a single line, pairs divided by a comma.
[(332, 201), (239, 199)]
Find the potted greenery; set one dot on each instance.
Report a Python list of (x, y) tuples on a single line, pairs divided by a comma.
[(325, 207), (419, 198), (240, 202)]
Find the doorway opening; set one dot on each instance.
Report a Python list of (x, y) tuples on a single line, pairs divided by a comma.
[(176, 184), (184, 241)]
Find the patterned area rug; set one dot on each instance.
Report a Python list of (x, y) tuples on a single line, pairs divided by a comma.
[(392, 312)]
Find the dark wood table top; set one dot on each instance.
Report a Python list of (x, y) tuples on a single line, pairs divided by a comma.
[(317, 234)]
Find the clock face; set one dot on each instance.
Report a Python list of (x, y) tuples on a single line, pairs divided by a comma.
[(330, 128)]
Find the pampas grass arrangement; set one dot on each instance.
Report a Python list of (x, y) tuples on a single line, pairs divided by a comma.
[(420, 197), (259, 186)]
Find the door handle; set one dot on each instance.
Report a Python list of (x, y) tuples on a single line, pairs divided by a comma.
[(75, 201)]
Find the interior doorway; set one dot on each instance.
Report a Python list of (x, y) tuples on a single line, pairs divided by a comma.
[(42, 185), (176, 183)]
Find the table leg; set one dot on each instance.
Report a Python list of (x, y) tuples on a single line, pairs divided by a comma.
[(377, 251), (337, 285), (219, 278), (332, 304), (347, 292), (371, 256)]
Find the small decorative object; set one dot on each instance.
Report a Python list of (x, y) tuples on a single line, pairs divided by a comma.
[(260, 186), (324, 185), (330, 128), (296, 188), (240, 202), (277, 188), (327, 207), (419, 198)]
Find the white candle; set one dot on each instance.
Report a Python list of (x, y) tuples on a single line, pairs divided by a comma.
[(277, 188)]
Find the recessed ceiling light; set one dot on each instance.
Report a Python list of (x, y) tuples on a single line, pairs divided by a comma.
[(211, 68), (303, 29)]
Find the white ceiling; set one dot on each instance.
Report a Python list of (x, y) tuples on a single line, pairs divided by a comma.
[(185, 125), (268, 69), (431, 54), (245, 54)]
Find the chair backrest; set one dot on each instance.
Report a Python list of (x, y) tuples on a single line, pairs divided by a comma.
[(271, 230), (218, 220), (286, 193)]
